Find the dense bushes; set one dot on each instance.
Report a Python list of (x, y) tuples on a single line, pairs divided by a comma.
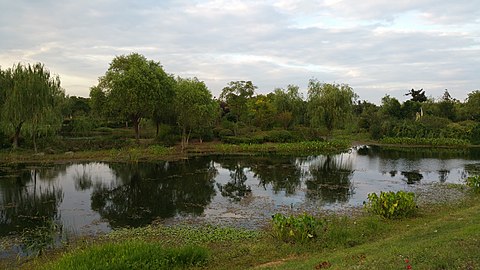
[(425, 141)]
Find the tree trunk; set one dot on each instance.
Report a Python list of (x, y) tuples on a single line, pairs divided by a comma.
[(16, 136), (136, 125), (158, 127)]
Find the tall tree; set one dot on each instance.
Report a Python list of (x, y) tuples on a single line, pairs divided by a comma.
[(195, 107), (329, 104), (31, 97), (287, 103), (236, 94), (136, 86)]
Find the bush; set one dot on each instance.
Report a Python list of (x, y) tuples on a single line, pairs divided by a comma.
[(280, 136), (474, 182), (475, 136), (296, 229), (391, 205)]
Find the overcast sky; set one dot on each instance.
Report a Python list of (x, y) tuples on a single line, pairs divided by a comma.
[(377, 47)]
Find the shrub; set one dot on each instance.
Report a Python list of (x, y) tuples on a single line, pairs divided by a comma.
[(475, 136), (474, 182), (280, 136), (391, 205), (296, 229)]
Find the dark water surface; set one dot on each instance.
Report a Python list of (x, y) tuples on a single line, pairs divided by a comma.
[(93, 197)]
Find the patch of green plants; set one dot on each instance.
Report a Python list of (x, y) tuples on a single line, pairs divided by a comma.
[(286, 148), (474, 182), (425, 141), (132, 255), (391, 204), (296, 228), (185, 234), (37, 240)]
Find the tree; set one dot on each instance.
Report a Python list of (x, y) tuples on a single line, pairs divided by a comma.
[(136, 86), (194, 107), (472, 105), (417, 95), (236, 95), (289, 104), (32, 96), (329, 104), (391, 107)]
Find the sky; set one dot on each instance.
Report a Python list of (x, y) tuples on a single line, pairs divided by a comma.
[(378, 47)]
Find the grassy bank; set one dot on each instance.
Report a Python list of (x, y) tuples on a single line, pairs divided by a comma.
[(440, 236), (148, 151)]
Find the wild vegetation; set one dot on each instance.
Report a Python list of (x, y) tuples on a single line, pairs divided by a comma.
[(136, 98)]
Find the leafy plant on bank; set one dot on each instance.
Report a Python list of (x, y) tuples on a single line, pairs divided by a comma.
[(391, 205), (474, 182), (296, 229)]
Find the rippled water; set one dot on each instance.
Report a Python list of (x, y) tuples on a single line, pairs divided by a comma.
[(87, 198)]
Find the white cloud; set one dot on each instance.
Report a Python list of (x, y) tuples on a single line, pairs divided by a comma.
[(375, 46)]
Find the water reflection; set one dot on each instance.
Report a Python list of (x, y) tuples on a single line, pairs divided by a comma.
[(27, 202), (145, 192), (330, 179), (236, 188), (93, 197), (281, 173)]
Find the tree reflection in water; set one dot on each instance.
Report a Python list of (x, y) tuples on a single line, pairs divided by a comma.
[(329, 179), (236, 188), (28, 201), (412, 177), (283, 173), (147, 191)]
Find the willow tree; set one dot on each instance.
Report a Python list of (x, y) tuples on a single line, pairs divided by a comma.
[(32, 96), (194, 107), (329, 104), (135, 87)]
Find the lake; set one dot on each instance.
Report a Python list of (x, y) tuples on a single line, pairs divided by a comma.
[(96, 197)]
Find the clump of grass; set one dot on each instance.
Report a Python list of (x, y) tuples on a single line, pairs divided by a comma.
[(132, 255), (425, 141)]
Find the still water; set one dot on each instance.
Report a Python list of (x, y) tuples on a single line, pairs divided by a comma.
[(94, 197)]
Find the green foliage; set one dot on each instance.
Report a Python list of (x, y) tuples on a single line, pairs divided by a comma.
[(425, 141), (391, 205), (280, 136), (474, 182), (296, 229), (31, 98), (329, 104), (133, 87), (287, 148), (236, 95), (475, 135), (132, 255), (195, 108)]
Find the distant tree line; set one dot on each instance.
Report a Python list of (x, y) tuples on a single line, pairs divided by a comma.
[(136, 92)]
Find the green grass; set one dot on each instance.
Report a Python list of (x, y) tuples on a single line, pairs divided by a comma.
[(131, 255)]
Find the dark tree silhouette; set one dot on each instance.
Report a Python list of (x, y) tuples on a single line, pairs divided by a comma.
[(417, 95)]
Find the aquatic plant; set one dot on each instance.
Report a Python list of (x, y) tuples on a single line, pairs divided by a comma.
[(391, 205)]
